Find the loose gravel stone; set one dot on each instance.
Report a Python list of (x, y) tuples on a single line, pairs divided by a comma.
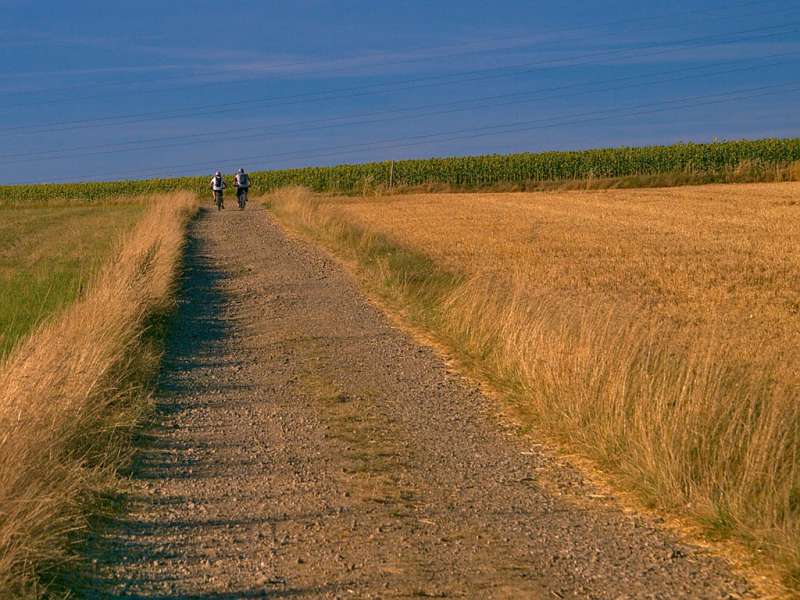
[(303, 447)]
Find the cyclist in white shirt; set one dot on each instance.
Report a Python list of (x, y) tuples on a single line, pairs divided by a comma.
[(218, 186)]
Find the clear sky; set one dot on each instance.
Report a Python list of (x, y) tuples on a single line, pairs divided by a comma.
[(106, 90)]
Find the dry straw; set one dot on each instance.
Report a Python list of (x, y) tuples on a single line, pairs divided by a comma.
[(664, 373), (72, 393)]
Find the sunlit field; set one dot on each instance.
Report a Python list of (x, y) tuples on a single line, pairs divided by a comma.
[(717, 261), (653, 330), (75, 388), (47, 255)]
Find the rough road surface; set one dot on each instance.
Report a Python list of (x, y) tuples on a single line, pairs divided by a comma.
[(306, 448)]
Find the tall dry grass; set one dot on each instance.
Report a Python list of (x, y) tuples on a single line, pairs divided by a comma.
[(692, 428), (653, 332), (72, 393), (794, 171), (47, 255)]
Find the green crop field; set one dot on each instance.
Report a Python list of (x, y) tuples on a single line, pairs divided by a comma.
[(715, 162), (47, 254)]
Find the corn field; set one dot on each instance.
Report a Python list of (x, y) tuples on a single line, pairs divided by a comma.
[(470, 172)]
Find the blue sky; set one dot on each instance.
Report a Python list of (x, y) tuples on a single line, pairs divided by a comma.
[(106, 90)]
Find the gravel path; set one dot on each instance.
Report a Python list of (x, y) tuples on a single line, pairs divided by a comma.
[(305, 448)]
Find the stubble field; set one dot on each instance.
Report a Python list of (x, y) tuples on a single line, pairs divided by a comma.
[(654, 330), (718, 261)]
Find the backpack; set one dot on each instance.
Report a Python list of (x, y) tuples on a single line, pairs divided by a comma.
[(217, 182), (244, 180)]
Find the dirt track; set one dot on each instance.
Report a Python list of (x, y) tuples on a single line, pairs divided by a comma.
[(305, 448)]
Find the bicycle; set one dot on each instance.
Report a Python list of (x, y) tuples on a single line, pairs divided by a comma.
[(241, 197)]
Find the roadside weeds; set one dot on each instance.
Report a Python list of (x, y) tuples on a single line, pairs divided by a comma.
[(690, 433), (73, 393)]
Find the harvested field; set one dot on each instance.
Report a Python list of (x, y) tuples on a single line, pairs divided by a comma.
[(652, 330), (707, 260)]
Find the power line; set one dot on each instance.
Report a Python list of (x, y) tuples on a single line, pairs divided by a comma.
[(522, 126), (468, 76), (412, 112), (229, 70), (489, 130)]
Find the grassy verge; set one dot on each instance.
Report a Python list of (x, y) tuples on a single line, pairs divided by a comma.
[(688, 426), (71, 394), (47, 255)]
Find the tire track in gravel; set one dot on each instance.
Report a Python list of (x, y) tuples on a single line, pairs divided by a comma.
[(305, 448)]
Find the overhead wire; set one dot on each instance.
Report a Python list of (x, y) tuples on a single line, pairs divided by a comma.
[(640, 52), (228, 70), (279, 130), (471, 76), (484, 131)]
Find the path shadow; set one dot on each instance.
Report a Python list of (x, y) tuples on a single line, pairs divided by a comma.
[(195, 341), (195, 344), (195, 337), (196, 330)]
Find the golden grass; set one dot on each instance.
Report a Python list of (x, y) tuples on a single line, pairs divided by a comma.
[(794, 170), (47, 255), (654, 331), (71, 394)]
